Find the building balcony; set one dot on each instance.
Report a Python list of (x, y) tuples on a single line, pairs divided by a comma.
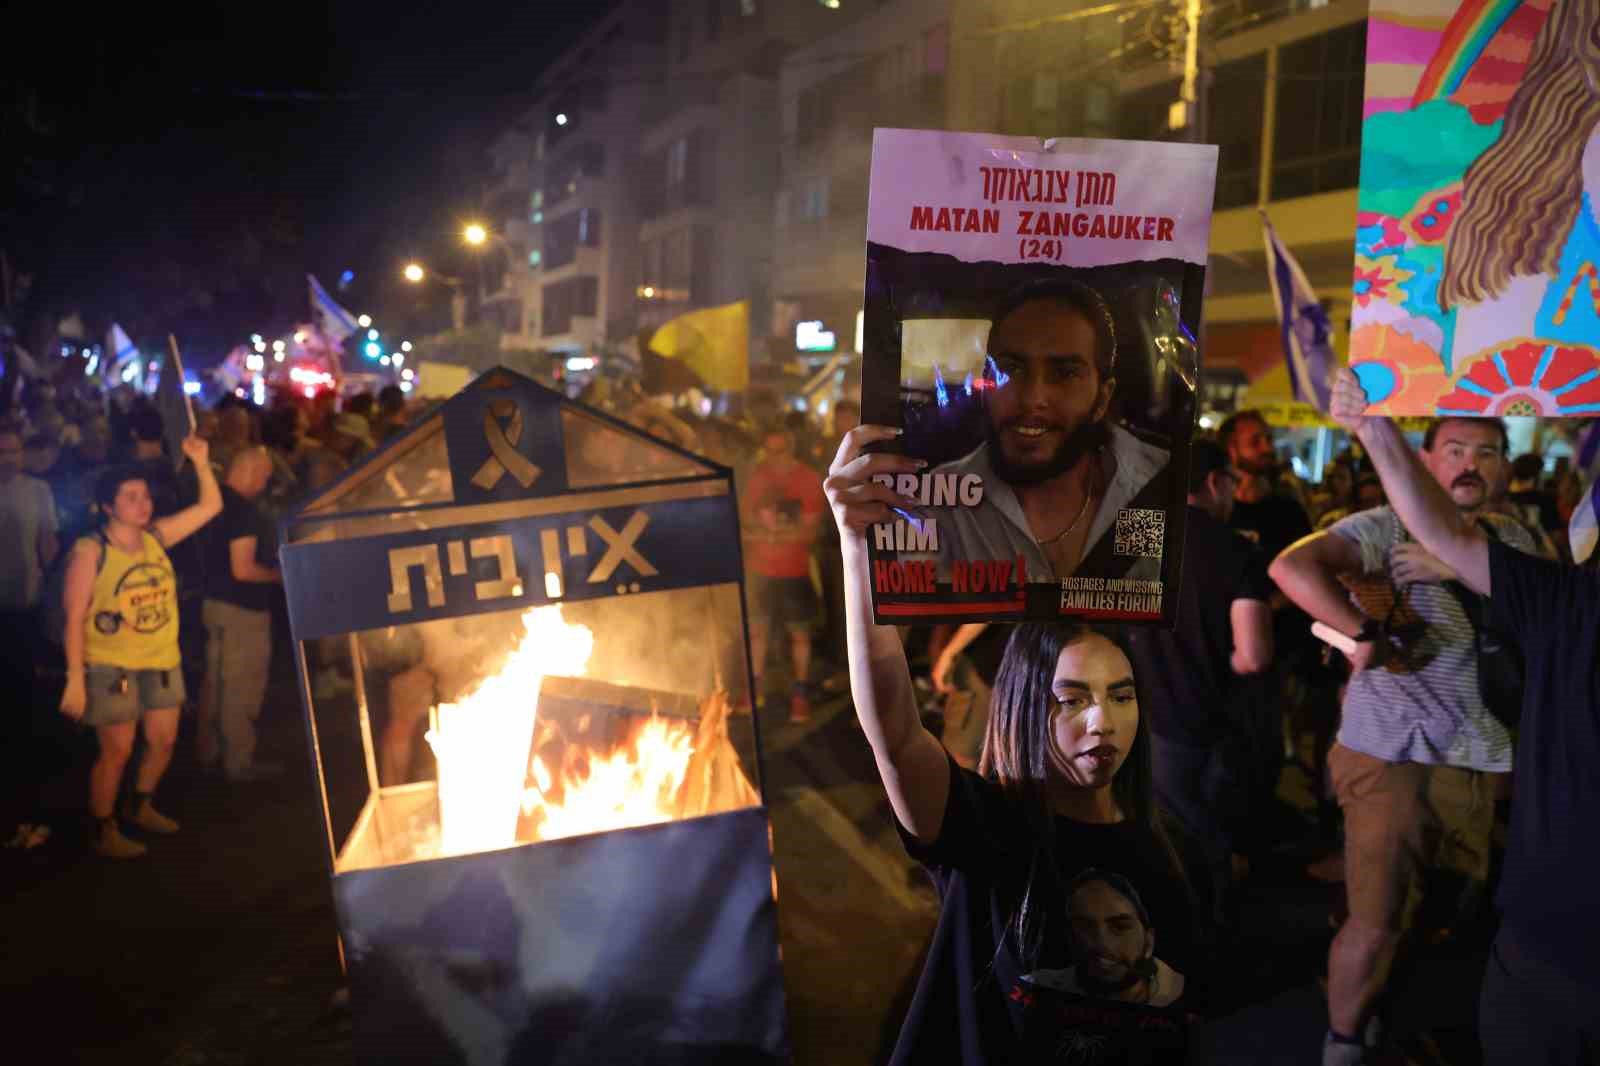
[(582, 333)]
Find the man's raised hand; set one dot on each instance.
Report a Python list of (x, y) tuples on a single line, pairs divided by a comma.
[(1348, 402)]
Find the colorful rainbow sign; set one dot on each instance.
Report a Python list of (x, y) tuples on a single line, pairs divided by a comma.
[(1450, 311)]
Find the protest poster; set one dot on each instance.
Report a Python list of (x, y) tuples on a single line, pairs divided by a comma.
[(1029, 321), (1477, 262)]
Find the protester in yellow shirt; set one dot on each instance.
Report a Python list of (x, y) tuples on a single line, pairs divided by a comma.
[(121, 640)]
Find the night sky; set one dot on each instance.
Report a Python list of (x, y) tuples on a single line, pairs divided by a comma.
[(207, 158)]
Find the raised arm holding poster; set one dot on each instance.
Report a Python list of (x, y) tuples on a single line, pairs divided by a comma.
[(1477, 268), (1030, 318)]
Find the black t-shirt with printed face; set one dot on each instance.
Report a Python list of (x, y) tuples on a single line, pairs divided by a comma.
[(1547, 892), (968, 1007), (1186, 673)]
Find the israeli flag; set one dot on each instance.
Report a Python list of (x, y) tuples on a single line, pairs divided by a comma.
[(119, 350), (1307, 336), (334, 321)]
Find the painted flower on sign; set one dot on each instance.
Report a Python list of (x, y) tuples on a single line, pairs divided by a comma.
[(1379, 279), (1429, 222), (1527, 377), (1398, 371)]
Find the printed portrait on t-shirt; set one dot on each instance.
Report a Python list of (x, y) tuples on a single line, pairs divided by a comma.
[(1115, 1002)]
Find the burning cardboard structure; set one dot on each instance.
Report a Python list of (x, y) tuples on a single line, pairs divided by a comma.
[(520, 633)]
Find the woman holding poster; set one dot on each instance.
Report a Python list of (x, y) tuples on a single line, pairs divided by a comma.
[(1065, 932)]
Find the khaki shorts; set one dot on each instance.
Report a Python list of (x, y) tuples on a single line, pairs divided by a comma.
[(1402, 819), (115, 695)]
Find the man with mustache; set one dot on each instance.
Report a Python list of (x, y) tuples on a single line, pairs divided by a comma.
[(1415, 762), (1056, 469)]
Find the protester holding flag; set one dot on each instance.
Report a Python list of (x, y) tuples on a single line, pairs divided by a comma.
[(1540, 989), (121, 638)]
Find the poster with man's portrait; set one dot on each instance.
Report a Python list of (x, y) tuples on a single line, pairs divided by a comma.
[(1031, 310), (1477, 269)]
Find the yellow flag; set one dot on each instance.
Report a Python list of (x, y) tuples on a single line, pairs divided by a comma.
[(714, 343)]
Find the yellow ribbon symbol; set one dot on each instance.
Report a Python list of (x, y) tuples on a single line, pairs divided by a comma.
[(502, 429)]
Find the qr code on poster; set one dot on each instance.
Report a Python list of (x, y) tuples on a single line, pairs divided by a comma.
[(1140, 531)]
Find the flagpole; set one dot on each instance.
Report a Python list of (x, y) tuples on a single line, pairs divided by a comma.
[(177, 364)]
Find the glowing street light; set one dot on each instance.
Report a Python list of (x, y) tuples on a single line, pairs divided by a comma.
[(475, 234), (561, 119), (405, 346), (413, 273), (364, 321)]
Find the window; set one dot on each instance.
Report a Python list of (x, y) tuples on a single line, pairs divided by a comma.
[(564, 236), (1143, 115), (678, 161), (1318, 133), (566, 300), (1234, 123), (564, 177), (668, 264)]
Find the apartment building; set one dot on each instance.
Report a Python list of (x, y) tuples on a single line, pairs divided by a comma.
[(563, 197), (890, 69)]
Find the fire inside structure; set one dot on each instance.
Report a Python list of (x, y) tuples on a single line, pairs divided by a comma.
[(544, 829)]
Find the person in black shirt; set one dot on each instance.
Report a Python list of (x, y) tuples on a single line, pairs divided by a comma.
[(1189, 675), (238, 620), (1260, 515), (1541, 987), (1063, 785), (1297, 687)]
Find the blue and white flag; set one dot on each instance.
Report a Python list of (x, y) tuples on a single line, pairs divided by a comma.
[(119, 352), (334, 321), (1583, 528), (1307, 336)]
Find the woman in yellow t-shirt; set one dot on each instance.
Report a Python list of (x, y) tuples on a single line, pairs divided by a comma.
[(121, 639)]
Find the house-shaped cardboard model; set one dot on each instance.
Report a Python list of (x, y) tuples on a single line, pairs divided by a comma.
[(520, 628)]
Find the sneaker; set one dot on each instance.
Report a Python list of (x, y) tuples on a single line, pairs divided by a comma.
[(149, 819), (799, 705), (260, 770), (113, 845), (1342, 1053)]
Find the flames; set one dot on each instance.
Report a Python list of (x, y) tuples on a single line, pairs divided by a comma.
[(637, 784), (493, 795)]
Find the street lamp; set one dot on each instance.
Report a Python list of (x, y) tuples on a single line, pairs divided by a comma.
[(475, 234), (364, 321), (414, 272)]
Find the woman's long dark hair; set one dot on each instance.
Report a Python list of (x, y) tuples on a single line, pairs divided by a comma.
[(1016, 756)]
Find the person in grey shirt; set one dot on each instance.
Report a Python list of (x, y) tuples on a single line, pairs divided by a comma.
[(1414, 765), (1057, 472)]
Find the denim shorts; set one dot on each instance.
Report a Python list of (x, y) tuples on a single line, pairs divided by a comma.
[(115, 695)]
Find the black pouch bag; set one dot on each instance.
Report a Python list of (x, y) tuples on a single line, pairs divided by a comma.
[(1501, 673)]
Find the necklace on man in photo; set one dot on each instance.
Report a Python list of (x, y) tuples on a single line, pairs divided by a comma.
[(1088, 494)]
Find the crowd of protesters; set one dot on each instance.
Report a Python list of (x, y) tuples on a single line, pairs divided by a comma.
[(140, 578), (1182, 737)]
